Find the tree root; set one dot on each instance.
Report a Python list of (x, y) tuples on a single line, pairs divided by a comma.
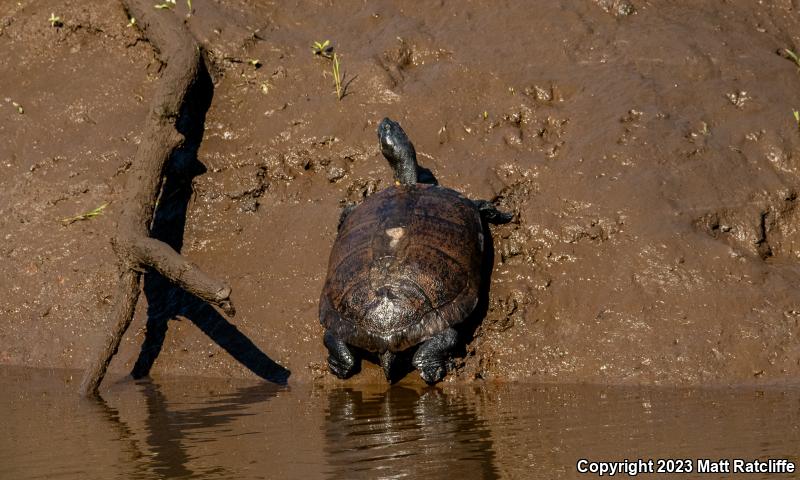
[(133, 245)]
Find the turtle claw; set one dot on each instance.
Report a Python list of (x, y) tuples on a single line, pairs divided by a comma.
[(491, 214), (433, 373), (340, 369), (499, 217), (340, 360), (433, 357)]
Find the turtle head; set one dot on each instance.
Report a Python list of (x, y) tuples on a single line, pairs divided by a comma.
[(399, 151)]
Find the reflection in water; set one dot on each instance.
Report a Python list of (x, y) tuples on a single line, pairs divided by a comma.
[(405, 433), (129, 445), (217, 428), (165, 430), (172, 429)]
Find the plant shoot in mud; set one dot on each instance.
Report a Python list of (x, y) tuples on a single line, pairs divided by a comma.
[(265, 87), (131, 22), (55, 20), (166, 5), (324, 49), (337, 77), (85, 216), (256, 63), (797, 118), (19, 108), (791, 55)]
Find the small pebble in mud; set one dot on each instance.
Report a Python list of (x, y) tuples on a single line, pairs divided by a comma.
[(542, 95), (512, 139), (249, 205), (633, 115), (624, 9), (738, 99), (335, 174), (443, 136), (618, 8)]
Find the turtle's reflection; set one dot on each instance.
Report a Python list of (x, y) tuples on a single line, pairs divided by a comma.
[(405, 433)]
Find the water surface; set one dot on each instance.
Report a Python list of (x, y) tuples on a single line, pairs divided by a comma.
[(217, 428)]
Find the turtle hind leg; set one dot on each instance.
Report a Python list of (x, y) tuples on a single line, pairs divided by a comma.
[(347, 210), (341, 360), (387, 361), (491, 214), (433, 356)]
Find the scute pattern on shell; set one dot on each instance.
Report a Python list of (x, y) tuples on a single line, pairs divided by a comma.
[(405, 266)]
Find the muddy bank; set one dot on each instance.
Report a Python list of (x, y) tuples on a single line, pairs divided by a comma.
[(651, 156)]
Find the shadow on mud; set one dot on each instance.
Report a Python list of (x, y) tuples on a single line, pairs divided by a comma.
[(466, 329), (166, 301)]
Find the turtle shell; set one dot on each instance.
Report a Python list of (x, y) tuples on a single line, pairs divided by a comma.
[(404, 267)]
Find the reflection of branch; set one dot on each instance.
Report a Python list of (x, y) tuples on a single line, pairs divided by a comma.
[(165, 440), (133, 244), (164, 435), (124, 432)]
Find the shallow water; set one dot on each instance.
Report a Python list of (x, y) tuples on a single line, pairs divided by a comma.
[(216, 428)]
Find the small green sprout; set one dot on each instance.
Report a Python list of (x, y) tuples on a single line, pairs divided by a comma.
[(256, 63), (324, 49), (337, 77), (485, 114), (85, 216), (265, 87), (166, 5), (131, 22), (189, 4), (55, 20), (19, 108), (796, 118), (792, 56)]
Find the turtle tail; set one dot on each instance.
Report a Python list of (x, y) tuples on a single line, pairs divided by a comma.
[(387, 360)]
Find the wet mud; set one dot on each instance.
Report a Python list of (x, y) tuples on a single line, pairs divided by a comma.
[(648, 149)]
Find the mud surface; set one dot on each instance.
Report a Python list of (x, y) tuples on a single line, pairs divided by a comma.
[(648, 148)]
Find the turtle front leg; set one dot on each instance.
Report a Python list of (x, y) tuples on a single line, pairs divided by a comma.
[(340, 359), (490, 213), (433, 356)]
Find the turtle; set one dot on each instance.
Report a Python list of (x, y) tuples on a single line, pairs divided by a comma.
[(404, 269)]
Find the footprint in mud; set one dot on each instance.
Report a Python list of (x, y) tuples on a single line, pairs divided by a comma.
[(395, 62), (766, 228), (324, 156), (536, 123), (399, 61)]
